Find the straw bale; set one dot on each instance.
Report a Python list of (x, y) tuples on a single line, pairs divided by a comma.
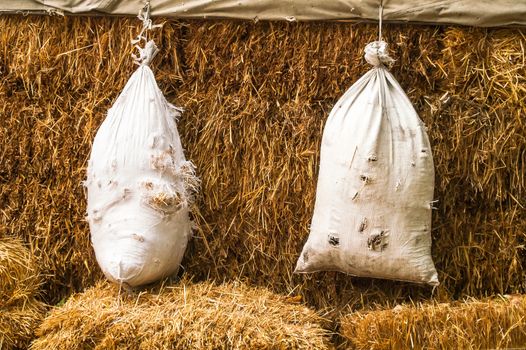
[(480, 224), (256, 97), (484, 251), (19, 276), (483, 77), (497, 323), (185, 316), (18, 324), (20, 281)]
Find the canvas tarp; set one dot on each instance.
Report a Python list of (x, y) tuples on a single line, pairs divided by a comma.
[(484, 13)]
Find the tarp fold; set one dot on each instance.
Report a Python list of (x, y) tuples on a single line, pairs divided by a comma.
[(482, 13)]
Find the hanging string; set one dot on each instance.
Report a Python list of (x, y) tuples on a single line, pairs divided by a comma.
[(147, 53), (376, 52), (380, 17), (147, 23)]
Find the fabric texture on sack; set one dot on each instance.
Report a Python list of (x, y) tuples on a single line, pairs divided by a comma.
[(139, 184), (372, 216)]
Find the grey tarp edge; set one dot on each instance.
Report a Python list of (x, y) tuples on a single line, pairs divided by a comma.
[(481, 13)]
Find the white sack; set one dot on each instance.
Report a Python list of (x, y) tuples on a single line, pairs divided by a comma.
[(139, 186), (372, 215)]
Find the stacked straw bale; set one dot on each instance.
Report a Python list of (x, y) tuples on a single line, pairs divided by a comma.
[(256, 97), (187, 316), (20, 311), (473, 324)]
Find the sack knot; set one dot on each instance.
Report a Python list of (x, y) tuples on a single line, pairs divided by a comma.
[(376, 54)]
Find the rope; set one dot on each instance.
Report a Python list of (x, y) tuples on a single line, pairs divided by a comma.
[(376, 52), (146, 53), (380, 16)]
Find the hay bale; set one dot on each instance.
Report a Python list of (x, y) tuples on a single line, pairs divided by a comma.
[(19, 276), (20, 281), (186, 316), (483, 76), (483, 251), (480, 224), (253, 125), (18, 324), (474, 324)]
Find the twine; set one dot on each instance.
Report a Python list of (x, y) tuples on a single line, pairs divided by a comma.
[(148, 52)]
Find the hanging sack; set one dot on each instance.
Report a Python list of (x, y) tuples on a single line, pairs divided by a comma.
[(139, 184), (372, 215)]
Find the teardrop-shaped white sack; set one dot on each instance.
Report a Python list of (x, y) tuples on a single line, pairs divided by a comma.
[(139, 186), (372, 216)]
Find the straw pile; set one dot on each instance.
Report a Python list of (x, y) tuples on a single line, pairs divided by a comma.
[(187, 316), (256, 99), (20, 311), (474, 324)]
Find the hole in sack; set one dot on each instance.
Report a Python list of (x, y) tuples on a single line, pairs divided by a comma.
[(165, 200), (363, 225), (163, 161), (364, 178), (334, 241), (377, 241)]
